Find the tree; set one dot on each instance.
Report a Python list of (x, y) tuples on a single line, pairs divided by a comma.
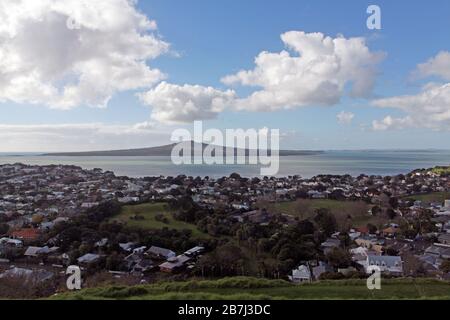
[(302, 207), (226, 260), (235, 176), (305, 227), (372, 228), (37, 219), (445, 266), (376, 210), (393, 202), (391, 213), (326, 221), (339, 258), (4, 228), (114, 262)]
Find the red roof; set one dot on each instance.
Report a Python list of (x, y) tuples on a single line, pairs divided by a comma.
[(390, 230), (363, 230), (26, 234)]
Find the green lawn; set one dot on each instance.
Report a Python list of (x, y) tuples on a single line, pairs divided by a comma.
[(431, 197), (241, 288), (148, 213), (306, 209), (441, 170)]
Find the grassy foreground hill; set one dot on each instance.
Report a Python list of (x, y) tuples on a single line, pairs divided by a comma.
[(243, 288)]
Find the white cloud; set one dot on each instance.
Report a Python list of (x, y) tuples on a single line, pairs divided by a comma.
[(436, 66), (345, 118), (182, 104), (42, 61), (146, 125), (79, 137), (391, 123), (317, 73), (430, 108)]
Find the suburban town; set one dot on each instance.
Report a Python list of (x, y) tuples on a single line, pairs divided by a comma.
[(142, 230)]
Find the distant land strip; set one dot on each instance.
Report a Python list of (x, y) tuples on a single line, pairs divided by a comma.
[(164, 151)]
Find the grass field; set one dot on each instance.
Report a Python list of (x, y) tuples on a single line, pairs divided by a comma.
[(305, 209), (441, 170), (241, 288), (431, 197), (148, 213)]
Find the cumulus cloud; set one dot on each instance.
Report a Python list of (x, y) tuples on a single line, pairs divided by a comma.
[(345, 118), (437, 66), (314, 70), (182, 104), (430, 108), (79, 137), (75, 52), (392, 123)]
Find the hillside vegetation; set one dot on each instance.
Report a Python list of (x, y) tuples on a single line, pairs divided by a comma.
[(342, 210), (427, 198), (243, 288), (150, 216)]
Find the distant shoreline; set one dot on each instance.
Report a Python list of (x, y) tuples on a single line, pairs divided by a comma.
[(166, 151)]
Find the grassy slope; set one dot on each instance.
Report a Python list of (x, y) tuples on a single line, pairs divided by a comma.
[(441, 170), (149, 212), (250, 288), (431, 197), (305, 209)]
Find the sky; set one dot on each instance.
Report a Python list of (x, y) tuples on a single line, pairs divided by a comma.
[(83, 75)]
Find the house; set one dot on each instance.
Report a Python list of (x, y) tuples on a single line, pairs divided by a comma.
[(362, 230), (369, 243), (390, 232), (354, 235), (140, 250), (26, 234), (128, 247), (258, 216), (160, 253), (101, 243), (174, 264), (136, 262), (143, 266), (444, 238), (194, 251), (88, 259), (11, 242), (440, 251), (320, 269), (330, 244), (46, 226), (301, 275), (360, 254), (447, 204), (28, 275), (430, 262), (388, 264), (34, 252)]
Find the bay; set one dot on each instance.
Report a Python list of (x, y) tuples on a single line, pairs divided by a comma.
[(370, 162)]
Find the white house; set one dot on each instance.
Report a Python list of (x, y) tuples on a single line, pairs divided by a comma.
[(447, 204), (301, 275), (388, 264)]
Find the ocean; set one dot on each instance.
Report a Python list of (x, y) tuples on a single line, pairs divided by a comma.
[(373, 162)]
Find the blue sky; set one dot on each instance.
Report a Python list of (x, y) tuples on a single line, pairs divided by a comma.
[(211, 39)]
